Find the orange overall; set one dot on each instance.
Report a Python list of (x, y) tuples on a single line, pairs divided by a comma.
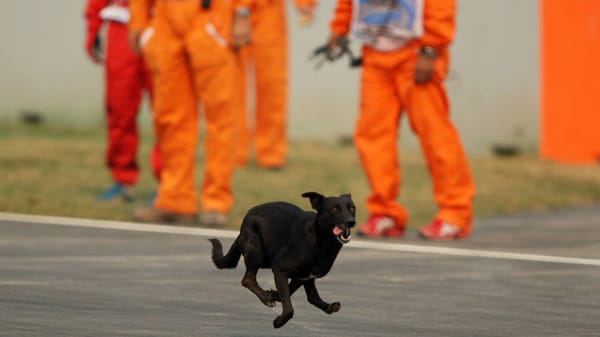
[(268, 57), (388, 88), (188, 50)]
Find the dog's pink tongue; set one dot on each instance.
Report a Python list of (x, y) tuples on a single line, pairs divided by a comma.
[(337, 231)]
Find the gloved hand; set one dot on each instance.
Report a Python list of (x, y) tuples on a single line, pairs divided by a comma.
[(336, 47)]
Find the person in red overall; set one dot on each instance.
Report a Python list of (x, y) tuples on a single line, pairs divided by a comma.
[(126, 78)]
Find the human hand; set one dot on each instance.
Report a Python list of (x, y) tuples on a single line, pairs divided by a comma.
[(307, 15), (134, 40), (242, 31), (334, 45), (424, 69), (94, 49), (333, 40)]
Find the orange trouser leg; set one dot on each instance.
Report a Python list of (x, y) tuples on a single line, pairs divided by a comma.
[(244, 130), (452, 182), (216, 86), (155, 161), (453, 185), (175, 121), (376, 140), (268, 55)]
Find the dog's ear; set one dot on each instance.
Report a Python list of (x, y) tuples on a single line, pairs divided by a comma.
[(346, 195), (315, 199)]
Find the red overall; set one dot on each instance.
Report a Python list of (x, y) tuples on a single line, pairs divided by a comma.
[(126, 79)]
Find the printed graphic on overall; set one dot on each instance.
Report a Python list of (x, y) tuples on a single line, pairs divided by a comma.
[(389, 23)]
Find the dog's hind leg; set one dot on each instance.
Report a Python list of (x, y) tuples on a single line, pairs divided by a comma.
[(313, 298), (249, 281), (253, 258), (281, 282)]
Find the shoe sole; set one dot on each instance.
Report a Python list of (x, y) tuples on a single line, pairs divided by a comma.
[(361, 234), (457, 236)]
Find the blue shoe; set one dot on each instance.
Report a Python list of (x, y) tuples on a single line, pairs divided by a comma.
[(152, 198), (117, 190)]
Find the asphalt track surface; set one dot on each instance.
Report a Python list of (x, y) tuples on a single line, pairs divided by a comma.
[(534, 274)]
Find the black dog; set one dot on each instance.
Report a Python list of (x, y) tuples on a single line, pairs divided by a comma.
[(295, 244)]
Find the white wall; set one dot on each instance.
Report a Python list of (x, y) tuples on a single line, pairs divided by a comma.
[(493, 85), (43, 66)]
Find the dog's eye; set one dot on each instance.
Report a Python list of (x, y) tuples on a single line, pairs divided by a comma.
[(334, 209), (352, 209)]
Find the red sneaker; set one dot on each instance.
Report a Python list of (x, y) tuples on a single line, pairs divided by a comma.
[(440, 230), (381, 226)]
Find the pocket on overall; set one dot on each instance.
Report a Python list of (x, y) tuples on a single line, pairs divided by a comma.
[(207, 46)]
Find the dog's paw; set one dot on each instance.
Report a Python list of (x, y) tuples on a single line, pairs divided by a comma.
[(333, 307), (268, 302), (281, 320), (268, 299), (274, 295)]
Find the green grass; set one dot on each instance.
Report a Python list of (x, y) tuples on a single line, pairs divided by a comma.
[(54, 170)]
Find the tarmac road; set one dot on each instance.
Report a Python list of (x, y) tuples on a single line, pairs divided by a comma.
[(534, 274)]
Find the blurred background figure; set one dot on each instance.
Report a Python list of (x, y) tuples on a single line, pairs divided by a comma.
[(405, 61), (189, 46), (264, 63), (126, 79)]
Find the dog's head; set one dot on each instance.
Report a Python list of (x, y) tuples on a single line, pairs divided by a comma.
[(335, 215)]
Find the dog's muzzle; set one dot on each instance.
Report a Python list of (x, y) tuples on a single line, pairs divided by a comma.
[(342, 234)]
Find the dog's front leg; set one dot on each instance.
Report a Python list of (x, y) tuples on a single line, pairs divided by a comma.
[(293, 286), (281, 282), (313, 298)]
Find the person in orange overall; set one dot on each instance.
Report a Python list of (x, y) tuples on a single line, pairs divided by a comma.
[(267, 59), (126, 78), (405, 61), (190, 45)]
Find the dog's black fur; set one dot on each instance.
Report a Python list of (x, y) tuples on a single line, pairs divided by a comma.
[(296, 244)]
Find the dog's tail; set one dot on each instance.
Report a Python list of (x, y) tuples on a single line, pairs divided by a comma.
[(228, 261)]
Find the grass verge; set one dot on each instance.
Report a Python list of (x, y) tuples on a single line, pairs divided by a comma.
[(60, 171)]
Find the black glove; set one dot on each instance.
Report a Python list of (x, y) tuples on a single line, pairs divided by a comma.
[(333, 54)]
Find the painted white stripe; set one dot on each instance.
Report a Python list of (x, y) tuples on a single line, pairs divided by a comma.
[(117, 225), (209, 232), (473, 253)]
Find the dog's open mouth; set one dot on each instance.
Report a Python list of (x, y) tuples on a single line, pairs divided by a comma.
[(342, 234)]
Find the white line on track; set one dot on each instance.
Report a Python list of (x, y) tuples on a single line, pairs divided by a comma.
[(209, 232)]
